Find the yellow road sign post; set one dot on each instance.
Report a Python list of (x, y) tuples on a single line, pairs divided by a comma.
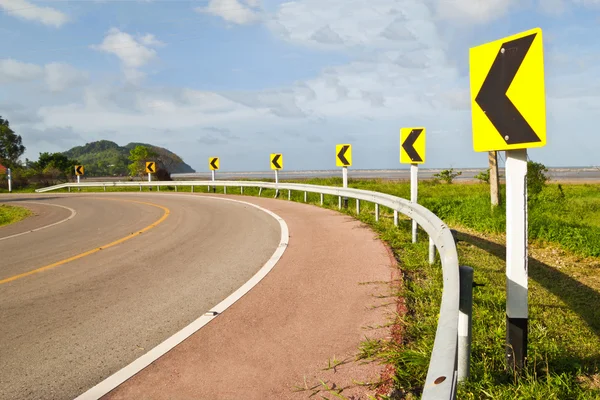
[(412, 145), (412, 151), (276, 165), (79, 170), (343, 155), (508, 105), (508, 112), (214, 163), (343, 158), (150, 169)]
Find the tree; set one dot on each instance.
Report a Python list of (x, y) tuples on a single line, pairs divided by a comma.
[(536, 178), (52, 166), (11, 145), (138, 157)]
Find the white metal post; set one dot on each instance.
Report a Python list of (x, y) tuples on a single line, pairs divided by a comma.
[(213, 179), (431, 251), (414, 188), (376, 212), (395, 217), (78, 181), (516, 258), (321, 198), (276, 183), (9, 180), (465, 315), (149, 177), (357, 206), (345, 184)]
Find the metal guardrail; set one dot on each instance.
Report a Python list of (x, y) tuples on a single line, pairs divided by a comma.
[(442, 375)]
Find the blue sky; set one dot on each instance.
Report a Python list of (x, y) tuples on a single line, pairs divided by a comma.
[(241, 79)]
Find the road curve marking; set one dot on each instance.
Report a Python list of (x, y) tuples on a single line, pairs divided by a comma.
[(116, 379), (97, 249), (73, 213)]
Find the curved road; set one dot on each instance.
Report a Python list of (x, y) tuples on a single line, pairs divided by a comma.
[(88, 310)]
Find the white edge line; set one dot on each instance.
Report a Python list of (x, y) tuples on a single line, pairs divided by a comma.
[(73, 213), (116, 379)]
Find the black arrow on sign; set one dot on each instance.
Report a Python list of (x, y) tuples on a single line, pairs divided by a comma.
[(409, 143), (213, 161), (342, 155), (492, 96), (275, 161), (78, 170), (151, 167)]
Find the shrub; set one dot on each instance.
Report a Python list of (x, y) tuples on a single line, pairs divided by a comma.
[(484, 176), (448, 175)]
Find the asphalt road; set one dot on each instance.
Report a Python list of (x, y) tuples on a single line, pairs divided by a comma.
[(68, 327)]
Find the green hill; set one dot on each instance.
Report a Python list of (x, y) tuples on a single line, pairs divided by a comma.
[(106, 158)]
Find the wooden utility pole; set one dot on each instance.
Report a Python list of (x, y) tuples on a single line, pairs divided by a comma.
[(494, 184)]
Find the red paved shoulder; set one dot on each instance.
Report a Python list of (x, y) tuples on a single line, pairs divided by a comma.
[(276, 341)]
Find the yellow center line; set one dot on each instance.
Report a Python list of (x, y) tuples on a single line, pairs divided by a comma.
[(106, 246)]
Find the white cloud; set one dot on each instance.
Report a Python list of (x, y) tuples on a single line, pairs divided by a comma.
[(237, 11), (16, 71), (29, 11), (57, 76), (375, 24), (150, 40), (133, 53), (475, 11), (60, 76)]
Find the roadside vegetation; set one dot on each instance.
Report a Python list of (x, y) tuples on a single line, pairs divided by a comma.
[(564, 284), (11, 214), (101, 158)]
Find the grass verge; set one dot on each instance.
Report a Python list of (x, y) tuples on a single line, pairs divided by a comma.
[(12, 214)]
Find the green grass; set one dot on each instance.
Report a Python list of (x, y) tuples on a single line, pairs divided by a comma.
[(12, 214), (564, 284)]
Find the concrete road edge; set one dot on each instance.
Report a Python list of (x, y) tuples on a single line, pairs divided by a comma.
[(116, 379)]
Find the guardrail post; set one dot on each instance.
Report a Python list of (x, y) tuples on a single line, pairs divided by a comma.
[(224, 189), (175, 188), (376, 212), (208, 188), (259, 191), (241, 190), (395, 217), (192, 188), (321, 198), (69, 188), (289, 195), (340, 203), (357, 206), (158, 188), (431, 251), (305, 197), (465, 315), (102, 185), (140, 187)]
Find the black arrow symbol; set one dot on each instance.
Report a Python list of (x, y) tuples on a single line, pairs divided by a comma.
[(151, 167), (410, 142), (213, 161), (275, 161), (342, 155), (492, 96), (79, 170)]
